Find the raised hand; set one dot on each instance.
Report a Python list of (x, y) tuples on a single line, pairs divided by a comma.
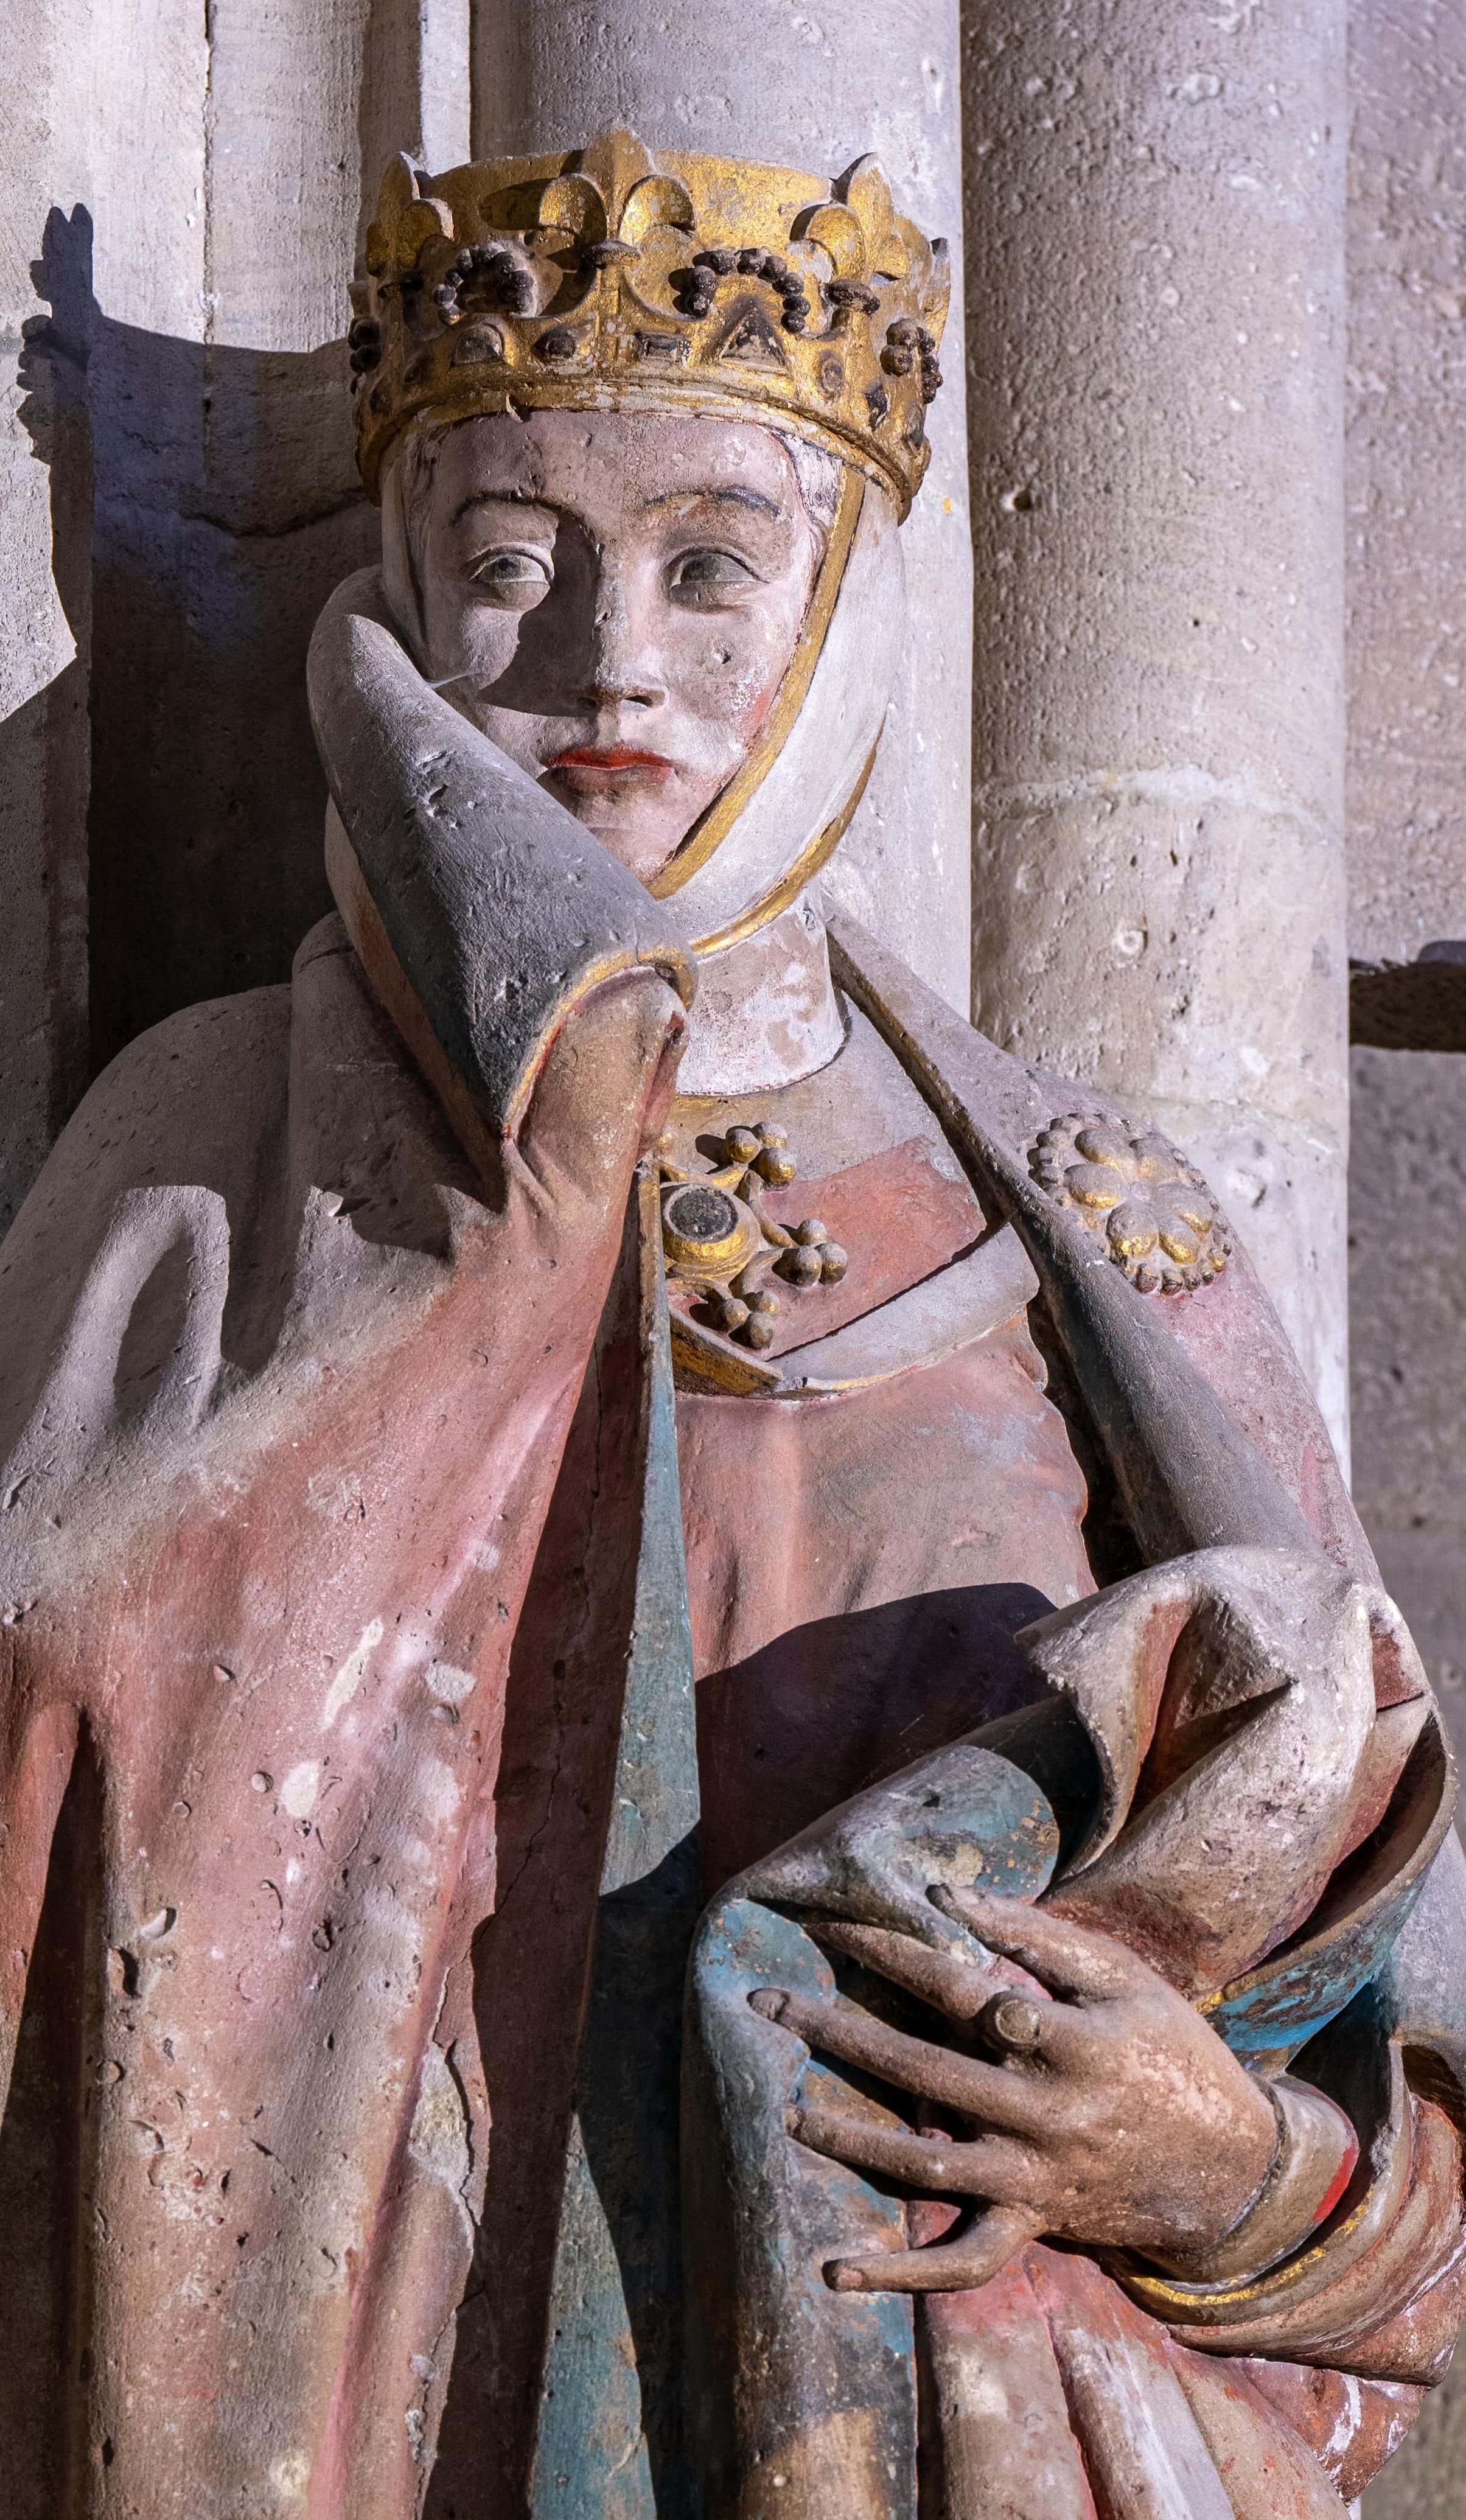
[(1105, 2108)]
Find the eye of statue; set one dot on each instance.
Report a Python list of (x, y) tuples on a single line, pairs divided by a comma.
[(514, 578), (708, 577)]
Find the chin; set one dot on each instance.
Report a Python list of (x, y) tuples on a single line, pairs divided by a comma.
[(634, 827), (644, 851)]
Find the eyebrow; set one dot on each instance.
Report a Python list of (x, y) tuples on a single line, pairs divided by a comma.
[(732, 492), (497, 498)]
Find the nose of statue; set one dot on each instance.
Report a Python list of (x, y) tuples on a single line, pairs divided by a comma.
[(605, 690), (622, 666), (621, 669)]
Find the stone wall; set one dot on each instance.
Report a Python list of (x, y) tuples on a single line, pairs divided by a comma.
[(179, 216), (1406, 587), (1406, 592)]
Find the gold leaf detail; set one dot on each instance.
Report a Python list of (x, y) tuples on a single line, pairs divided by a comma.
[(658, 202), (1154, 1215)]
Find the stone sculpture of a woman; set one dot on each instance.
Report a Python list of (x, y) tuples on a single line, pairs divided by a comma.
[(1071, 2064)]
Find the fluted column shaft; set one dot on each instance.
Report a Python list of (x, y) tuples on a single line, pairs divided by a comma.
[(1155, 276)]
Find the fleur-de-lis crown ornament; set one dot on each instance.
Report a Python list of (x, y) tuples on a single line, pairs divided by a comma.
[(608, 279)]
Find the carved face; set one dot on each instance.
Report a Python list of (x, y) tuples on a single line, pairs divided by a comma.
[(614, 599)]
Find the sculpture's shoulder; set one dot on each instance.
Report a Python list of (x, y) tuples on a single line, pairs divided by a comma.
[(195, 1104), (1126, 1192), (200, 1100), (186, 1101)]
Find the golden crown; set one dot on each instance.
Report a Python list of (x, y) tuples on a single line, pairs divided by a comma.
[(606, 279)]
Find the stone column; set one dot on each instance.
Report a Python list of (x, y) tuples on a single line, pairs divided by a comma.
[(1155, 276), (228, 504), (180, 206), (1406, 464), (767, 81), (75, 128)]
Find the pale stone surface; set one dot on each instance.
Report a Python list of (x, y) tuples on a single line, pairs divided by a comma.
[(305, 106), (1156, 353), (1406, 463), (775, 82)]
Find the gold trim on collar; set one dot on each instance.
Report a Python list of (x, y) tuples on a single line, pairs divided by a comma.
[(791, 883)]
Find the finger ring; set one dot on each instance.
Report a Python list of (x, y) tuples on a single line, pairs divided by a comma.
[(1011, 2023)]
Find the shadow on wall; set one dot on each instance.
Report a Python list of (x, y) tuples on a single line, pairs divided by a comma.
[(1407, 1315), (225, 506)]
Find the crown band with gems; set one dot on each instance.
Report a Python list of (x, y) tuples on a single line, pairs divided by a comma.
[(609, 280)]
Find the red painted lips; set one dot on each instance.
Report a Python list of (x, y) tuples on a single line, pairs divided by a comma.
[(610, 759)]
